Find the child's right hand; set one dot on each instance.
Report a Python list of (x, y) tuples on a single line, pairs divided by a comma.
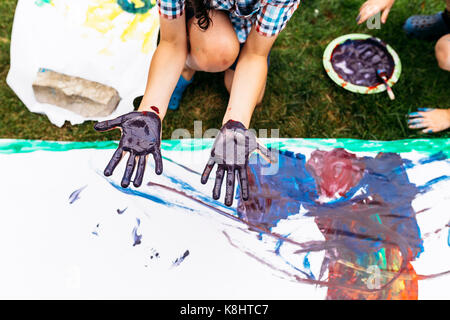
[(372, 7), (141, 136)]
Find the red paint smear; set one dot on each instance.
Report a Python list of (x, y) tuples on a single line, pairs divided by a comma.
[(332, 52), (155, 109), (336, 171), (372, 88)]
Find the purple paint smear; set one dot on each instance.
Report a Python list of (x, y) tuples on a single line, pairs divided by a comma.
[(95, 232), (356, 226), (179, 260), (137, 237), (121, 211), (74, 196)]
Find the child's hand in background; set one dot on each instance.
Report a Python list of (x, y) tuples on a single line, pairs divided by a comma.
[(372, 7)]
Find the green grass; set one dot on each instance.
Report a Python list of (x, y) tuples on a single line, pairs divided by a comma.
[(300, 99)]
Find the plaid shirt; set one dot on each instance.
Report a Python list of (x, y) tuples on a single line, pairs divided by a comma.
[(268, 16)]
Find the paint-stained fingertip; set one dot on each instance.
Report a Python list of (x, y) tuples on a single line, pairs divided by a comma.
[(101, 126), (425, 109), (107, 172), (137, 184)]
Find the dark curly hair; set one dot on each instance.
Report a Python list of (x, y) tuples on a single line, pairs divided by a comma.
[(201, 12)]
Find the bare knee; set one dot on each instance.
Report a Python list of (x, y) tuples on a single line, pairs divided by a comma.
[(216, 56), (443, 52)]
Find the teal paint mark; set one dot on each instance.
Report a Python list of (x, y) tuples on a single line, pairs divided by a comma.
[(25, 146), (427, 146), (381, 256), (40, 3), (130, 7), (306, 263), (424, 146), (378, 218)]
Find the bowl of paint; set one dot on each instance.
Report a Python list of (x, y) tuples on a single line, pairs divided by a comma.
[(352, 62)]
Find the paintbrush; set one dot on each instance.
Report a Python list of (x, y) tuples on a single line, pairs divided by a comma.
[(383, 76)]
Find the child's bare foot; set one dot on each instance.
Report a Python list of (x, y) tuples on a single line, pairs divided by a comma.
[(430, 120)]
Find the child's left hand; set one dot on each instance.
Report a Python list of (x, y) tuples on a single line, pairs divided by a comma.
[(231, 151), (372, 7)]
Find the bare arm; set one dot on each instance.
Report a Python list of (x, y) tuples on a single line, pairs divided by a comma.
[(166, 66), (249, 78)]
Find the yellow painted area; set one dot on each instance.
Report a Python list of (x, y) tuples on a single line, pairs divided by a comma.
[(131, 31), (102, 16), (106, 52), (138, 3)]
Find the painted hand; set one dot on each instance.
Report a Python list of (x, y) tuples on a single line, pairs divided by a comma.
[(141, 136), (231, 151), (430, 120), (372, 7)]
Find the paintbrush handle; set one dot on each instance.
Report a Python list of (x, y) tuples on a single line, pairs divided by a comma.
[(389, 90), (383, 77)]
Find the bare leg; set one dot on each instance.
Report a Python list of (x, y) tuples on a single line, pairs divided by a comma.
[(443, 52), (211, 50), (228, 79)]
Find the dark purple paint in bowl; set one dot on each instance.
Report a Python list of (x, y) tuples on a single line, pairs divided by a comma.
[(357, 61)]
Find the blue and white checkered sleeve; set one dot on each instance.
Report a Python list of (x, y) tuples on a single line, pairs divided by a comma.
[(274, 16), (170, 9)]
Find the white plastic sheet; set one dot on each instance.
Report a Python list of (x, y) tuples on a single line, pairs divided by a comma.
[(57, 243), (93, 39)]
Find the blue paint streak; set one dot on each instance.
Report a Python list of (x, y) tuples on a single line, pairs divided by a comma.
[(448, 237), (440, 156), (426, 187)]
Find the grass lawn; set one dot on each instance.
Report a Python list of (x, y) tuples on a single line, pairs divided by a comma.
[(300, 99)]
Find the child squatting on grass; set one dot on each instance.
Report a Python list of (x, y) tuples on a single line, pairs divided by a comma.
[(429, 27), (234, 36)]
